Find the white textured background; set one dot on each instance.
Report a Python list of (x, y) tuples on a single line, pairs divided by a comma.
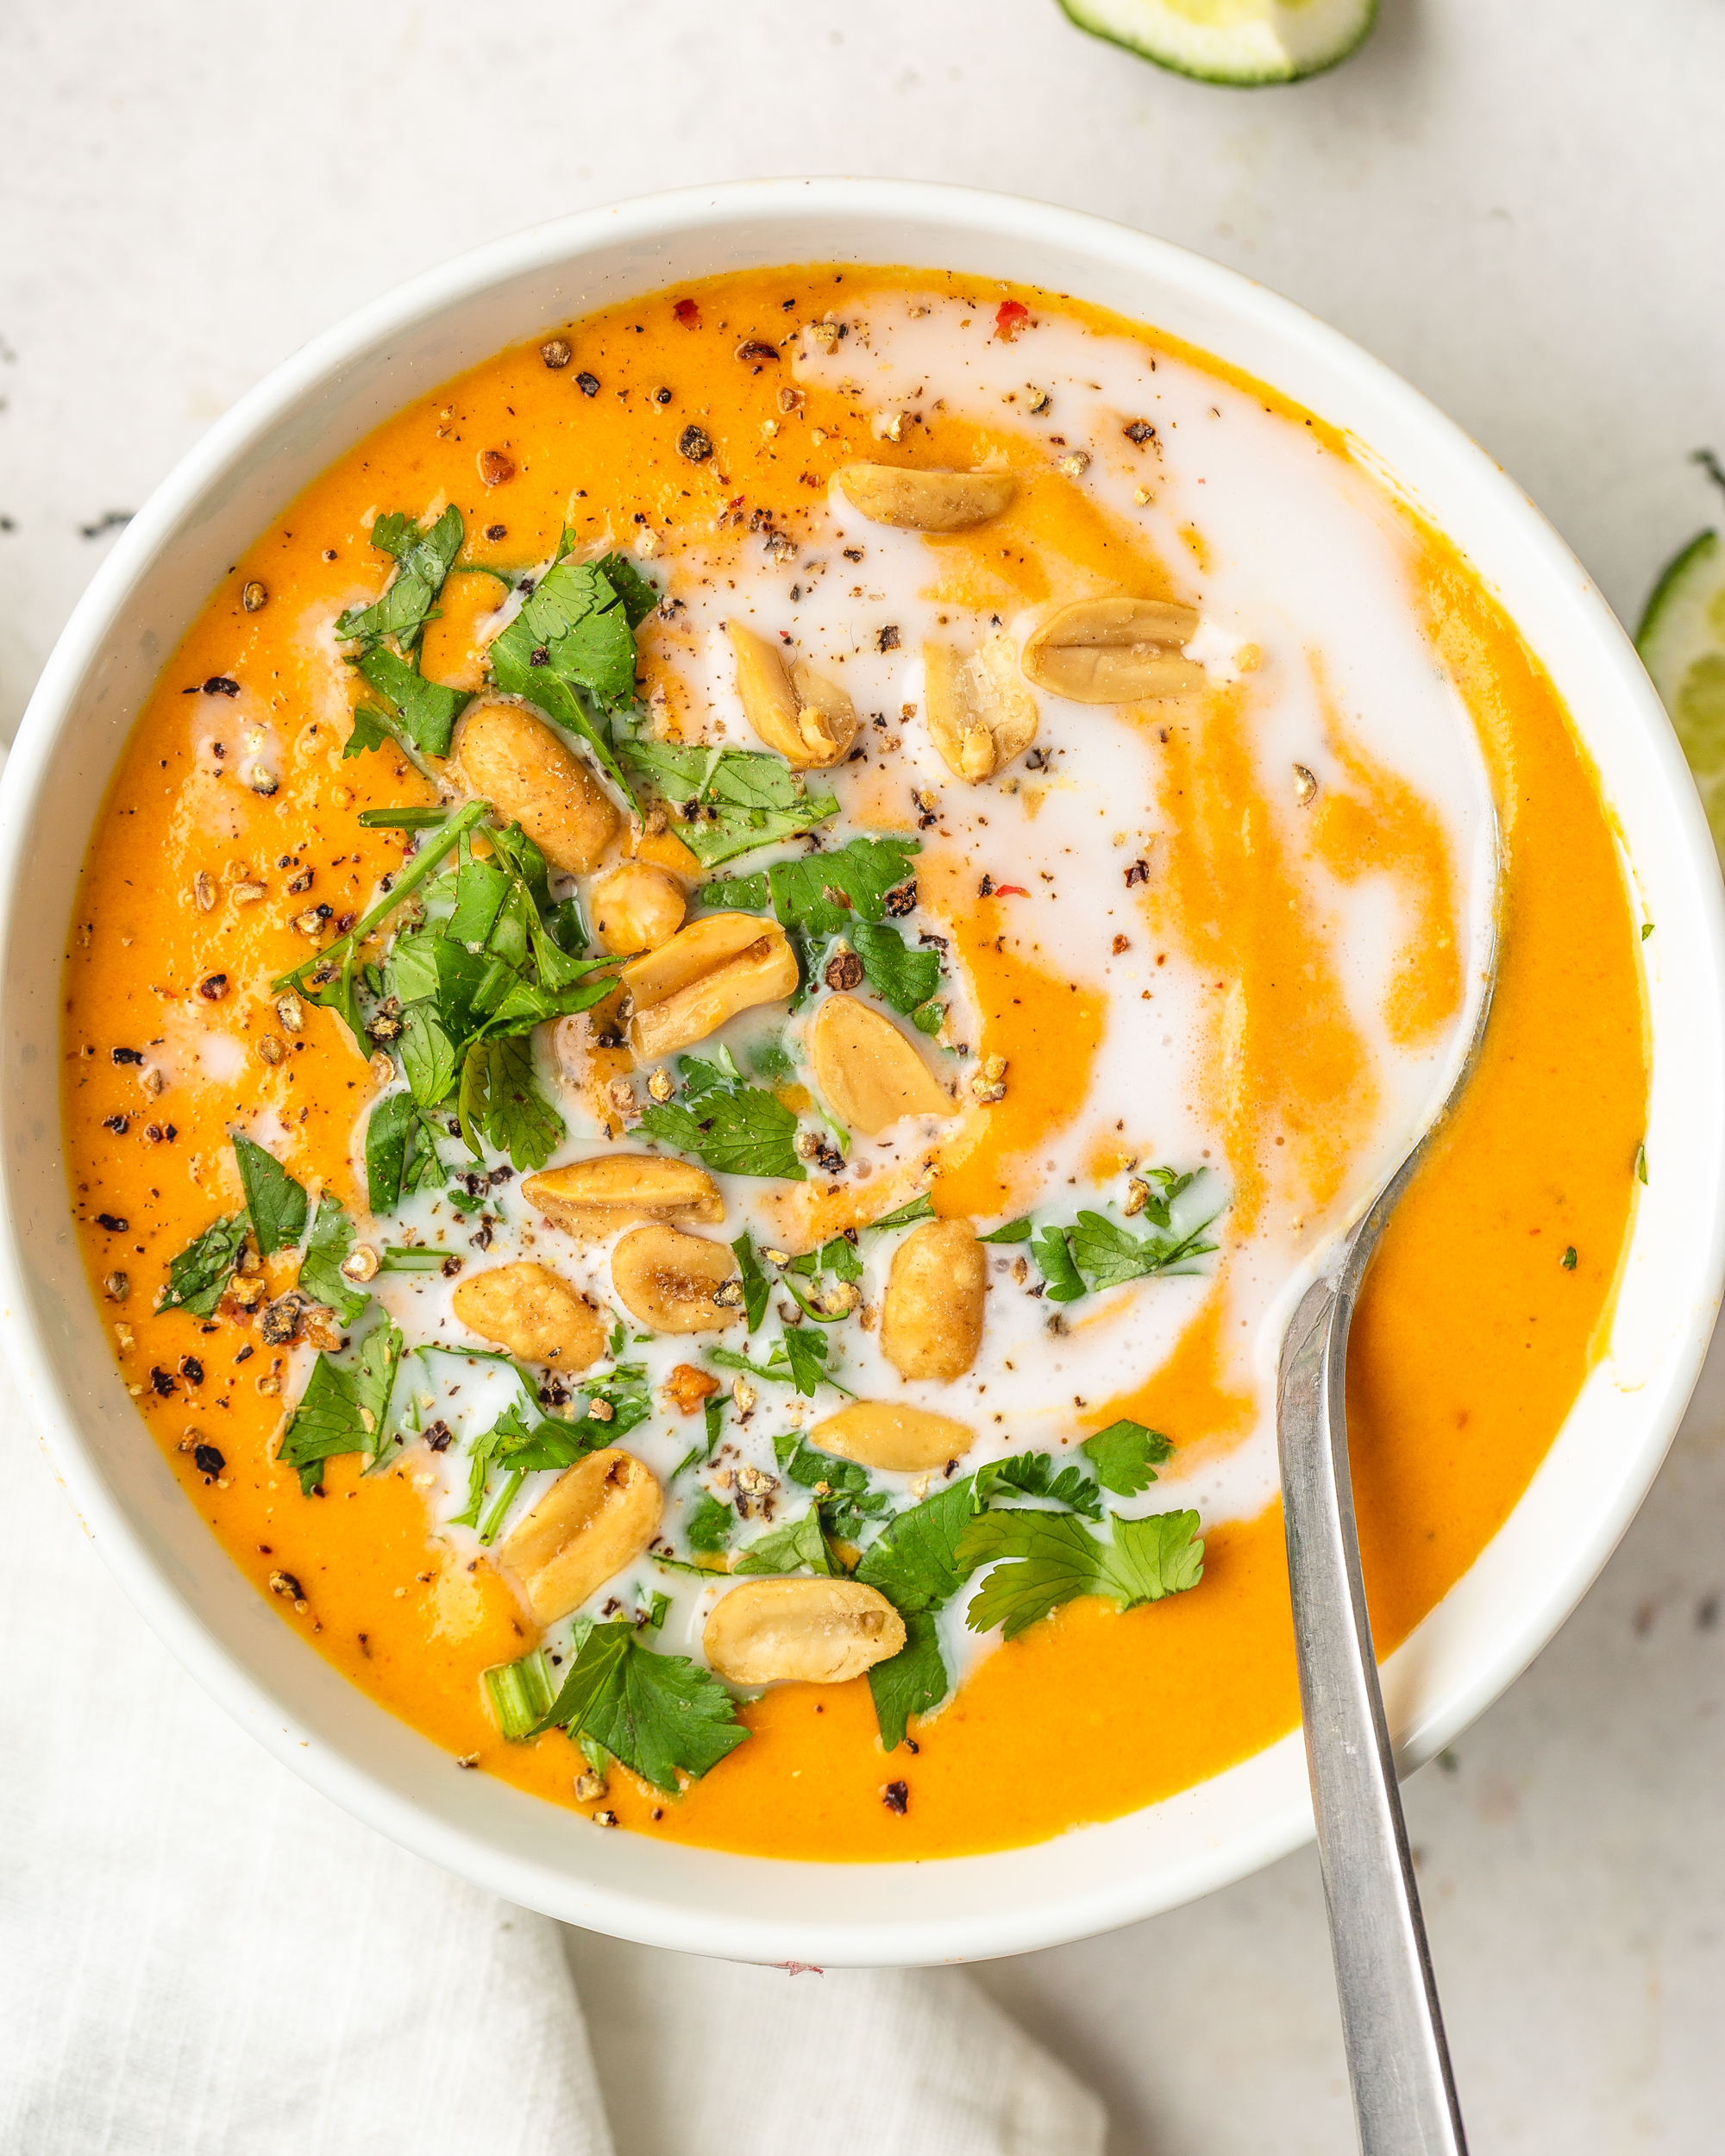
[(1517, 203)]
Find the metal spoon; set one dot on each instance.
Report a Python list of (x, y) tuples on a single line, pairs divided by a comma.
[(1392, 2027)]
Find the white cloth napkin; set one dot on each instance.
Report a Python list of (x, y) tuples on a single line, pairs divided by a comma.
[(199, 1956)]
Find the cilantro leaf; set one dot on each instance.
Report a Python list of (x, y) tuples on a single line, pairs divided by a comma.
[(424, 559), (739, 1129), (901, 976), (789, 1548), (198, 1276), (1019, 1231), (1053, 1256), (737, 895), (657, 1713), (429, 1058), (710, 1524), (276, 1202), (345, 1405), (638, 595), (572, 646), (1122, 1454), (1032, 1475), (915, 1563), (805, 1353), (919, 1208), (828, 892), (320, 1271), (428, 710), (500, 1099), (755, 1289), (401, 1153), (1041, 1560), (841, 1487), (911, 1682), (732, 800), (1109, 1255)]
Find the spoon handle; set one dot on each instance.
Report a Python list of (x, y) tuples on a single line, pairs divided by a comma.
[(1403, 2093)]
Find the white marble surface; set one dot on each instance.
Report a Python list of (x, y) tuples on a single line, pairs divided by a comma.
[(1519, 207)]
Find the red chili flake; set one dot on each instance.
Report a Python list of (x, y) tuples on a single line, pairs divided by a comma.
[(1011, 891), (1010, 317), (687, 313)]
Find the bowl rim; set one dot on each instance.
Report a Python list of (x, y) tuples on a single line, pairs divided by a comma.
[(1085, 239)]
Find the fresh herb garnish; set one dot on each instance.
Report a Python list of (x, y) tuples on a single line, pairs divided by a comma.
[(730, 800), (198, 1277), (423, 560), (1097, 1252), (320, 1272), (657, 1713), (1033, 1475), (826, 892), (571, 650), (740, 1129), (275, 1202), (842, 1488), (911, 1682), (756, 1288), (919, 1208), (914, 1563), (344, 1407), (710, 1525), (425, 712), (401, 1151), (1122, 1456), (1041, 1560), (520, 1695), (796, 1545)]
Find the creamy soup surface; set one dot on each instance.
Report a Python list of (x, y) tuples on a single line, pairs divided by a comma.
[(728, 992)]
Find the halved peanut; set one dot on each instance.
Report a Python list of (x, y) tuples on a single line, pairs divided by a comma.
[(807, 718), (534, 1312), (932, 1313), (707, 974), (531, 779), (980, 713), (668, 1280), (635, 907), (1114, 651), (592, 1198), (592, 1522), (815, 1632), (868, 1071), (883, 1434), (925, 501)]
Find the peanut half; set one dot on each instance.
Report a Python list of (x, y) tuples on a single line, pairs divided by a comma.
[(707, 974), (635, 907), (925, 501), (931, 1313), (1114, 651), (868, 1071), (593, 1520), (815, 1632), (903, 1439), (668, 1280), (980, 713), (592, 1198), (529, 776), (534, 1312), (808, 720)]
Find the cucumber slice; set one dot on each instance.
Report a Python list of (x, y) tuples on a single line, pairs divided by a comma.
[(1681, 643), (1242, 42)]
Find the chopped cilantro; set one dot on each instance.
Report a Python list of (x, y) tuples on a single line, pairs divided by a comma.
[(198, 1276), (1122, 1456), (914, 1562), (1041, 1560), (422, 561), (657, 1713), (276, 1202), (1032, 1475), (344, 1407), (793, 1546), (755, 1290), (910, 1682), (1019, 1231), (900, 976), (841, 1487), (571, 650), (920, 1208), (427, 711), (710, 1524), (740, 1129), (320, 1271), (730, 800)]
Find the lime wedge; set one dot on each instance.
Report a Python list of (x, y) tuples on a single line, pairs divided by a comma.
[(1242, 42), (1681, 643)]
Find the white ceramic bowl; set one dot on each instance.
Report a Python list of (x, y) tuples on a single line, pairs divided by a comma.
[(1485, 1632)]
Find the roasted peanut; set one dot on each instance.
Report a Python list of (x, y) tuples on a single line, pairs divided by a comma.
[(868, 1071), (707, 974), (931, 1313), (1114, 651), (528, 775), (980, 713), (815, 1632), (592, 1199), (593, 1520), (925, 501), (534, 1312), (881, 1433), (668, 1280), (635, 907), (808, 720)]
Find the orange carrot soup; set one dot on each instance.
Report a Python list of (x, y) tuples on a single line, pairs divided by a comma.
[(727, 992)]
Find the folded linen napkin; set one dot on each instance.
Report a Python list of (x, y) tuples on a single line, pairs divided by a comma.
[(200, 1956)]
